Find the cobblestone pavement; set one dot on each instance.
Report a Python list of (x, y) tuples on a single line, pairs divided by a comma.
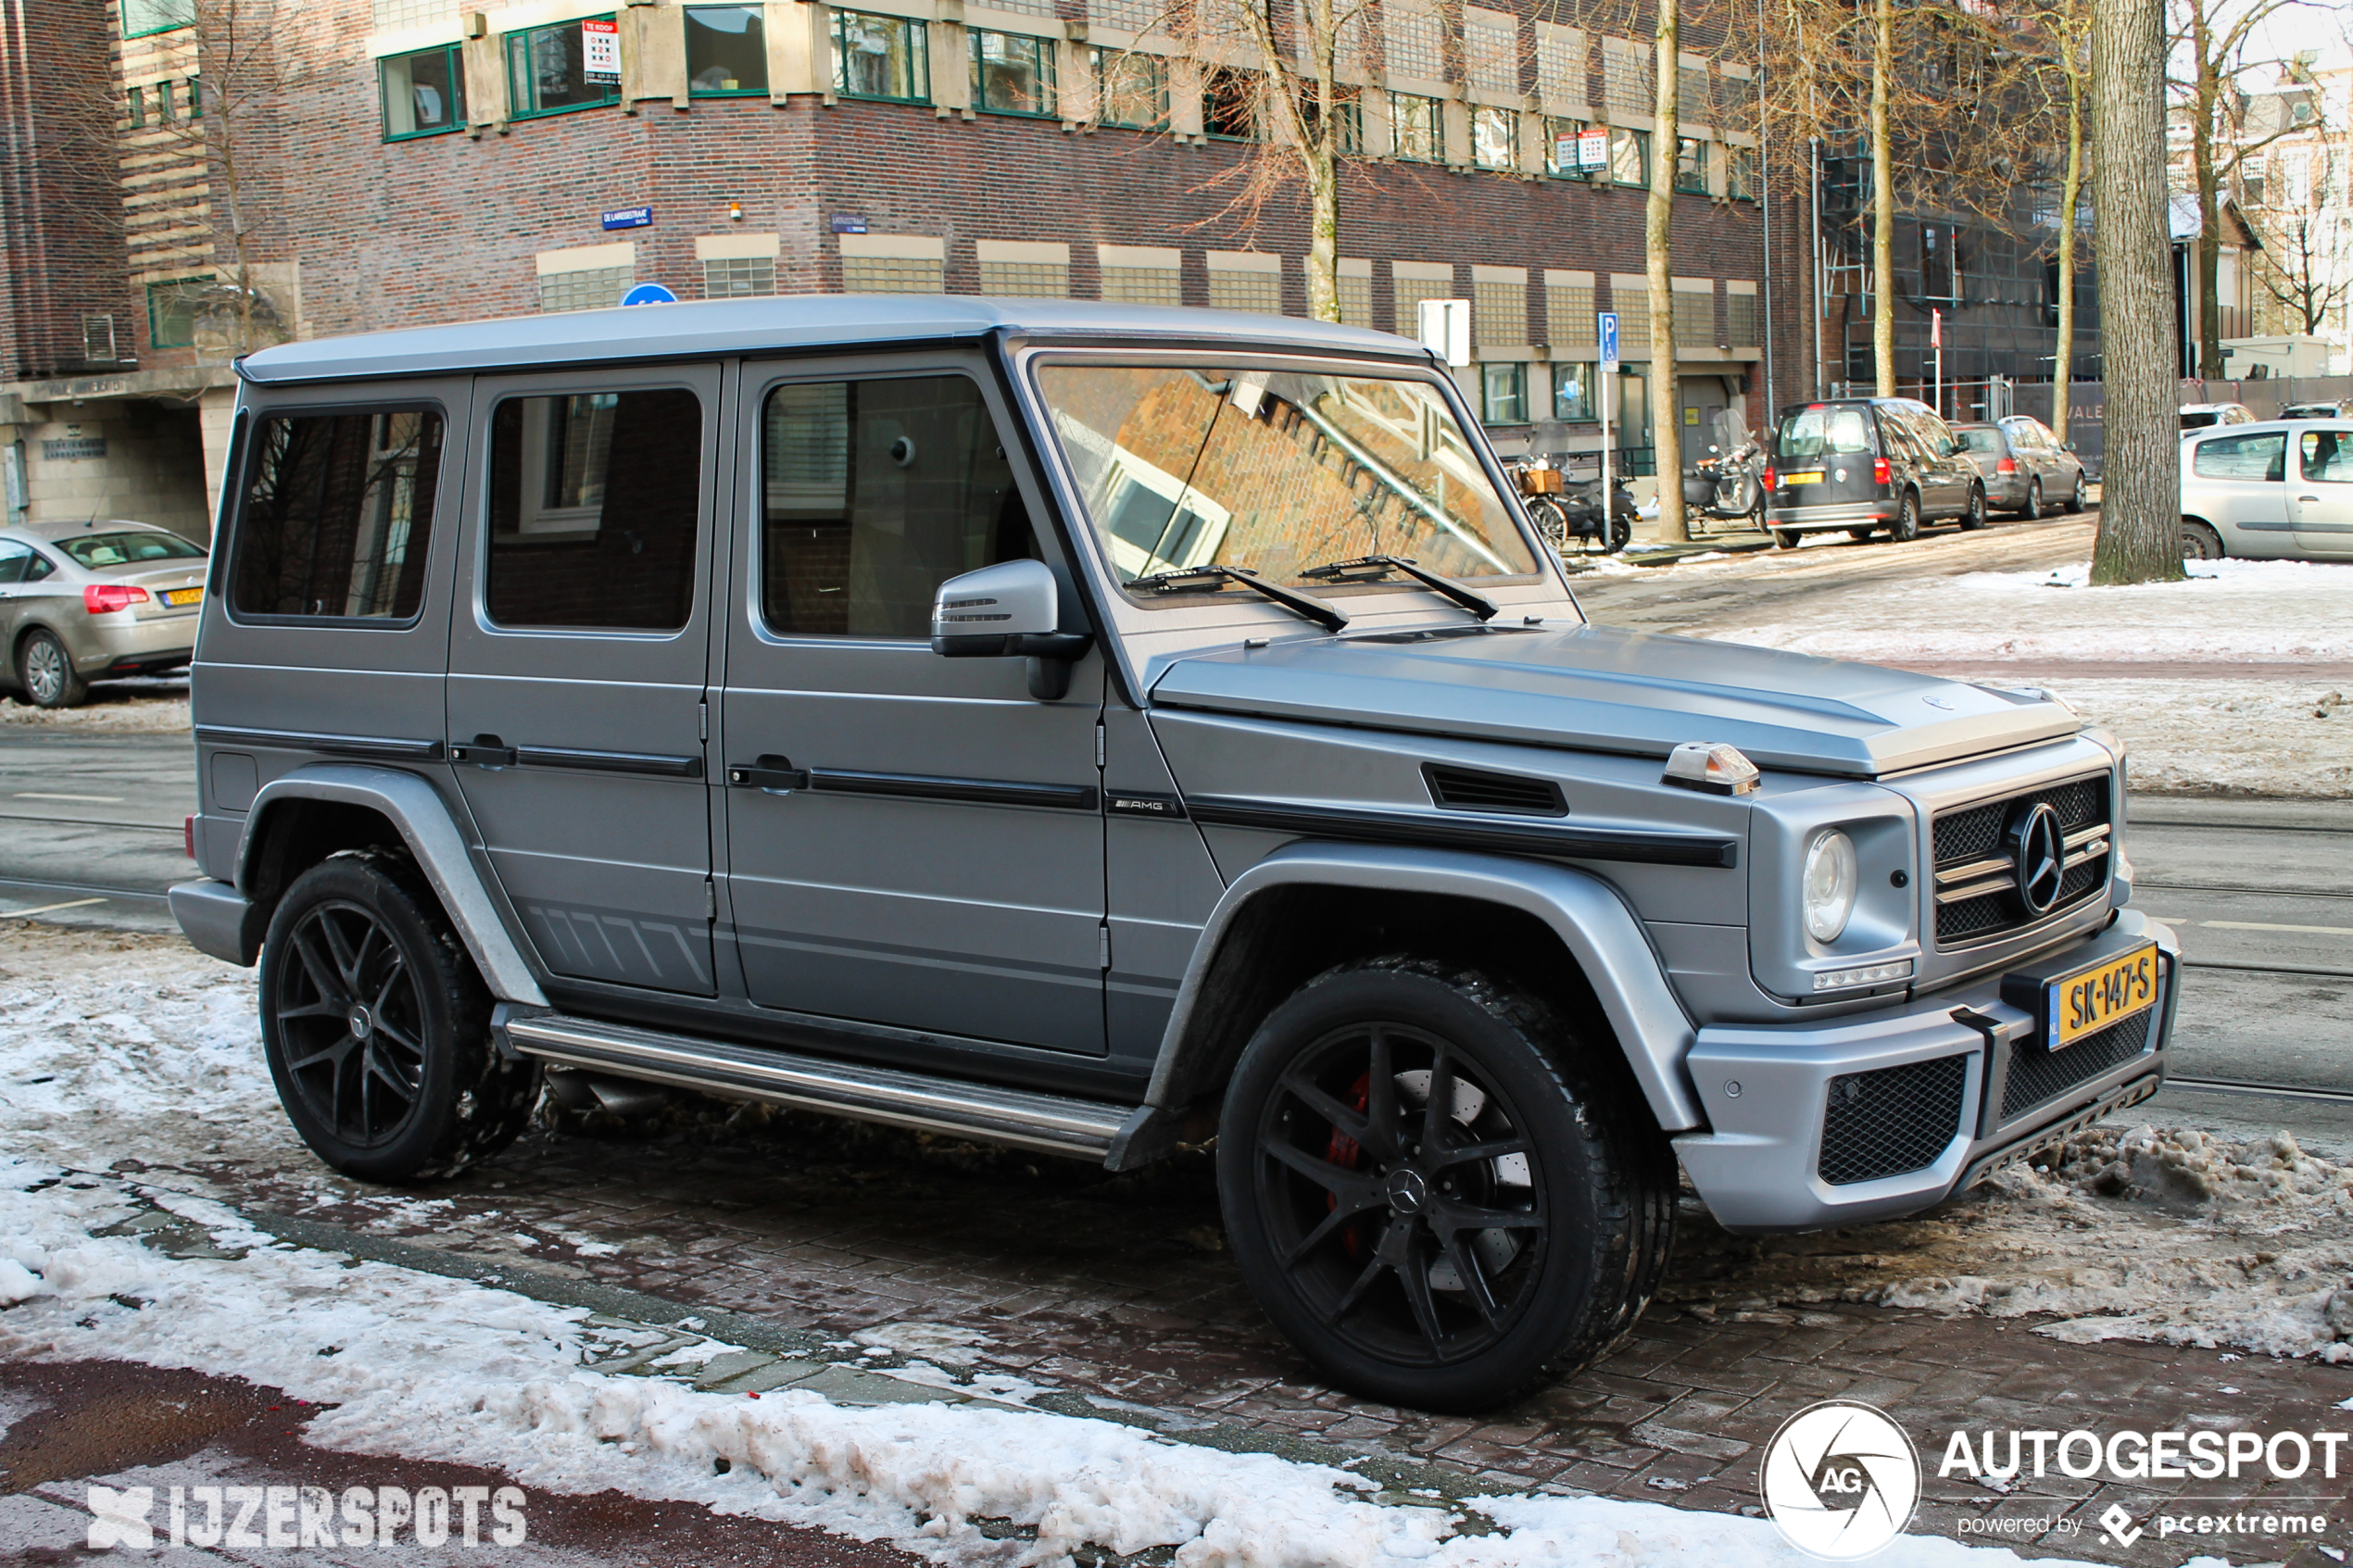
[(1119, 1289)]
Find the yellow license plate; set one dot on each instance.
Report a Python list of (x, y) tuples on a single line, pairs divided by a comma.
[(2090, 1000), (1813, 478), (183, 596)]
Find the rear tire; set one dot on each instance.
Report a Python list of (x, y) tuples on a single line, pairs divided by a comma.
[(1907, 526), (44, 671), (377, 1029), (1405, 1272), (2200, 541), (2033, 501), (1785, 538)]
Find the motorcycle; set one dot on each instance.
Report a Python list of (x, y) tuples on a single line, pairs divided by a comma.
[(1566, 510), (1728, 485)]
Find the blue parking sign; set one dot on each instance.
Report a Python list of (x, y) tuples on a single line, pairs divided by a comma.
[(1609, 341)]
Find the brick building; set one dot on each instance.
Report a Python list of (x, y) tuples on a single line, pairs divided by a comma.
[(413, 161)]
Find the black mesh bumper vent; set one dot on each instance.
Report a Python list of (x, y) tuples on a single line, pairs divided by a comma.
[(2037, 1075), (1894, 1119), (1475, 789)]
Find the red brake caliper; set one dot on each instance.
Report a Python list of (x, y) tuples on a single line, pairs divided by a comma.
[(1345, 1153)]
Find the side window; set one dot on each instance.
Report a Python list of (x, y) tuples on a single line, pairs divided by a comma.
[(1896, 439), (876, 491), (14, 559), (2242, 457), (2327, 455), (596, 502), (337, 514)]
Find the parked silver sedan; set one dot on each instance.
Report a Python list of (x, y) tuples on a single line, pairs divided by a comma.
[(2027, 469), (2278, 488), (86, 601)]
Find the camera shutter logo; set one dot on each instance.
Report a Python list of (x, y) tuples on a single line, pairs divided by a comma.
[(1840, 1480)]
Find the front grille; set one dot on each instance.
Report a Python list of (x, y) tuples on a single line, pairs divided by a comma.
[(2037, 1075), (1475, 789), (1974, 834), (1891, 1121)]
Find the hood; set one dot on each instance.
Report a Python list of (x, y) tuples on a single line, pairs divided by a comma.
[(1599, 689)]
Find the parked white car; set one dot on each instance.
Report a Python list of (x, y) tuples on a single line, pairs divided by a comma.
[(2202, 416), (2279, 488)]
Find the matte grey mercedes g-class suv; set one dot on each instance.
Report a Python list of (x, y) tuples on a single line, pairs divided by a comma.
[(1092, 728)]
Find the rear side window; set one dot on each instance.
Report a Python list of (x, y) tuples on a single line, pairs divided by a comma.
[(2243, 457), (337, 516), (596, 500), (127, 550), (14, 559), (876, 493), (1817, 433), (1981, 441)]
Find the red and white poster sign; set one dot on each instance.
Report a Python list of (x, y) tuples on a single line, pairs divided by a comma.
[(600, 50)]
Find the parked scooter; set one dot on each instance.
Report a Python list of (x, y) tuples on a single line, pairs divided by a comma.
[(1728, 485)]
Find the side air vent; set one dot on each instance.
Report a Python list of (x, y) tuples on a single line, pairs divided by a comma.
[(1473, 789)]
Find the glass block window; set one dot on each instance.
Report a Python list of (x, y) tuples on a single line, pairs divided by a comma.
[(1408, 294), (1695, 316), (1133, 16), (591, 290), (1026, 8), (1131, 90), (1356, 299), (727, 50), (1629, 156), (1491, 50), (734, 277), (1632, 302), (892, 274), (1741, 320), (1626, 79), (394, 15), (1691, 167), (1503, 390), (1259, 292), (1573, 394), (1494, 137), (1499, 313), (424, 93), (1014, 74), (1560, 64), (1144, 285), (1033, 279), (548, 71), (1414, 38), (1695, 100), (1568, 317), (883, 57), (1416, 128)]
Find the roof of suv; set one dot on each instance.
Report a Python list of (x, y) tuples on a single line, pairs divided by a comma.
[(782, 323)]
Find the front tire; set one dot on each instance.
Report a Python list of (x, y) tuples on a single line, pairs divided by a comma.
[(377, 1029), (1973, 515), (2200, 541), (1785, 538), (44, 671), (1436, 1191)]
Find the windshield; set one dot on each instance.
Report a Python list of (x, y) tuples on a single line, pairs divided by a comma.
[(1276, 472), (1979, 441), (1815, 433), (128, 549)]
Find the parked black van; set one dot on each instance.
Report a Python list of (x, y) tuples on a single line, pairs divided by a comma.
[(1866, 463)]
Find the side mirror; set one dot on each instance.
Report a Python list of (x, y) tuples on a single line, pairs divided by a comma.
[(2069, 446), (1713, 447), (1009, 610)]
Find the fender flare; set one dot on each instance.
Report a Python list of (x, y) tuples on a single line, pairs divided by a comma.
[(1587, 915), (416, 810)]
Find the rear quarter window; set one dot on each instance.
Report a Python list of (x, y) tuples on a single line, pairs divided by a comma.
[(2242, 457), (336, 515)]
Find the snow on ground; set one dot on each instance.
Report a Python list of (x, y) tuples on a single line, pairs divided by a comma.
[(428, 1367), (129, 707), (2226, 736)]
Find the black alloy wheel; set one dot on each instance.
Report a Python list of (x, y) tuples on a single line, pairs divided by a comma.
[(44, 671), (2034, 499), (1907, 526), (1621, 528), (1973, 515), (1785, 538), (1425, 1200), (2075, 496), (2200, 541), (377, 1029)]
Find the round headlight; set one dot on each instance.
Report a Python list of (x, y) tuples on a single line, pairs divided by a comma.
[(1827, 897)]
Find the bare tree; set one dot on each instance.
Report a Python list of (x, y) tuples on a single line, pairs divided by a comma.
[(2305, 265), (1658, 228), (2140, 534), (2067, 67)]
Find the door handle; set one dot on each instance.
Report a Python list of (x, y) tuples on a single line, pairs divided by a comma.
[(483, 751), (2314, 500), (769, 772)]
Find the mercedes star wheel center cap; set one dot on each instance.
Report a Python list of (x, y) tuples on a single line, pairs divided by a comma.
[(1407, 1191), (363, 1025), (2038, 858)]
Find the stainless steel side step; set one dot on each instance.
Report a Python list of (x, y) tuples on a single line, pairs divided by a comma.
[(1023, 1118)]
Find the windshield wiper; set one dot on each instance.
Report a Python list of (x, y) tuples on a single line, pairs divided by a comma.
[(1366, 569), (1197, 579)]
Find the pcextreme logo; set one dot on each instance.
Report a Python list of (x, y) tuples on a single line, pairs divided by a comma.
[(1840, 1480)]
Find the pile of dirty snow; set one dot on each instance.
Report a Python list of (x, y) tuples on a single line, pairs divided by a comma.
[(2155, 1234)]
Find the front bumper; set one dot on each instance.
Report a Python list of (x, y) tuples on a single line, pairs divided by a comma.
[(1982, 1091), (1842, 514)]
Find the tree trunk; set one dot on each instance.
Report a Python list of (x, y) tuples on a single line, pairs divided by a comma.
[(1667, 401), (2070, 193), (1321, 151), (2207, 90), (1882, 202), (2140, 537)]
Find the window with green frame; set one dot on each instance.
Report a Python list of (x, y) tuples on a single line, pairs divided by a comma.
[(1348, 113), (548, 71), (1496, 137), (726, 51), (1739, 173), (1418, 127), (885, 57), (1561, 162), (424, 93), (1629, 156), (1131, 90), (1691, 167), (143, 18), (1573, 394), (134, 105), (172, 309), (1504, 389), (1229, 103), (1013, 74)]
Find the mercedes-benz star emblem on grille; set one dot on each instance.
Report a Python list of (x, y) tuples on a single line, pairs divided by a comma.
[(2038, 857)]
